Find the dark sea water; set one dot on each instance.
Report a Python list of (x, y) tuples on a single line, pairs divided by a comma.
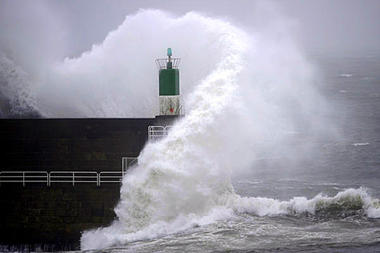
[(352, 160), (351, 85)]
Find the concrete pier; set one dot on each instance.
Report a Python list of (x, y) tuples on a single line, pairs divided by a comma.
[(56, 215), (70, 144)]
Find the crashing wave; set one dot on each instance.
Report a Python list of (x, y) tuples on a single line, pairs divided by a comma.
[(346, 203), (16, 95), (183, 180)]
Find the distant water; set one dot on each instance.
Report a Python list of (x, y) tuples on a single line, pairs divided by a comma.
[(301, 144), (346, 173), (338, 224)]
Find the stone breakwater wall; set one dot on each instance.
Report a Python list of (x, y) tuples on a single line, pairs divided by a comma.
[(53, 218), (70, 144)]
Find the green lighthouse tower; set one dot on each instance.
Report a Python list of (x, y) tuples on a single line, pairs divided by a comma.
[(169, 91)]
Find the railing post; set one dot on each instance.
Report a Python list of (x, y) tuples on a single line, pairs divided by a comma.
[(62, 176), (122, 165)]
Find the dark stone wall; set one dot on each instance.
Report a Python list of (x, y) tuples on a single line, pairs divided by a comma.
[(70, 144), (55, 216)]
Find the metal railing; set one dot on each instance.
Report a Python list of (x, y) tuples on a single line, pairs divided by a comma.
[(158, 132), (127, 162), (24, 177), (72, 177), (162, 62), (110, 177)]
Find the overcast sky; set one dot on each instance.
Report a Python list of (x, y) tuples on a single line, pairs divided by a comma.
[(74, 26)]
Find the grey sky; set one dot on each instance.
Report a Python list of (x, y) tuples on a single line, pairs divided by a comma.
[(73, 26)]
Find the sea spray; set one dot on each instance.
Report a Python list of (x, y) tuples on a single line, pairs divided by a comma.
[(246, 95), (16, 93), (344, 203), (178, 180), (183, 180)]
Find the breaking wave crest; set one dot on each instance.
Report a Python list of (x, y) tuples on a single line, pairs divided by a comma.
[(183, 180), (346, 203), (16, 95), (177, 180), (246, 94), (350, 202)]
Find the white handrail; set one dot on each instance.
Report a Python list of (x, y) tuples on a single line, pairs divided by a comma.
[(127, 162), (24, 177), (157, 132), (110, 177), (73, 177), (161, 62)]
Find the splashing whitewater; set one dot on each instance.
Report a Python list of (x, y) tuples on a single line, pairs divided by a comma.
[(246, 94), (182, 180)]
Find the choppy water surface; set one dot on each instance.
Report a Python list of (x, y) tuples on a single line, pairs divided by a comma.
[(335, 225), (278, 151)]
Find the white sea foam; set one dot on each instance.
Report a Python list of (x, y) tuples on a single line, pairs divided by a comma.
[(246, 94), (345, 75), (347, 200), (361, 144), (15, 87), (178, 180), (244, 104)]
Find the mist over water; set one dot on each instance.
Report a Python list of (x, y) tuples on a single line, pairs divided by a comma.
[(117, 78), (248, 96)]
